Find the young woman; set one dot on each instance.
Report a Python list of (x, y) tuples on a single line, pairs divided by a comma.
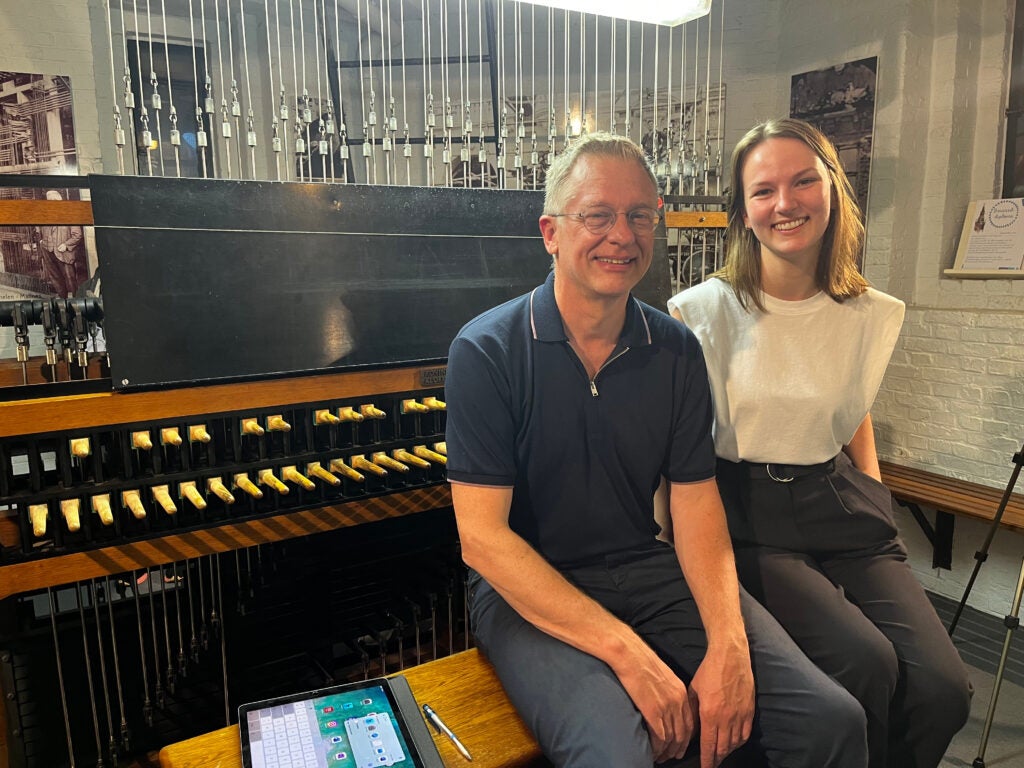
[(796, 343)]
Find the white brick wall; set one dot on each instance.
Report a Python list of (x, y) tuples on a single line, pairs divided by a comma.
[(953, 398)]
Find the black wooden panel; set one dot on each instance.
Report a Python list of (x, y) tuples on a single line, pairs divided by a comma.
[(210, 279)]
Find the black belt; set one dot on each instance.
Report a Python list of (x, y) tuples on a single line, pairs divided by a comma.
[(779, 473)]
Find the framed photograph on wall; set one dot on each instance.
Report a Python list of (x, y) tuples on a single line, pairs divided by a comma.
[(840, 101), (37, 136)]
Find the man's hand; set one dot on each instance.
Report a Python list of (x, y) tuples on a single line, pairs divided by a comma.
[(723, 687), (663, 702), (62, 247), (723, 693)]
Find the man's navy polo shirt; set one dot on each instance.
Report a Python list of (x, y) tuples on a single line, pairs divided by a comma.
[(584, 457)]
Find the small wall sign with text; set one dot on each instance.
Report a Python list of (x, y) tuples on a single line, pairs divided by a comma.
[(992, 240)]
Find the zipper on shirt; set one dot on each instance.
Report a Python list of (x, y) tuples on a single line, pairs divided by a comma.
[(593, 381)]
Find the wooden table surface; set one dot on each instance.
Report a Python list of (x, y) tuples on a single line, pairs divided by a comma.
[(462, 689)]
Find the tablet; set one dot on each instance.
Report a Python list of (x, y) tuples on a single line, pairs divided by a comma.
[(357, 725)]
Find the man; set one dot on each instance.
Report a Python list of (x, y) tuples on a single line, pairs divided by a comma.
[(565, 408), (59, 245)]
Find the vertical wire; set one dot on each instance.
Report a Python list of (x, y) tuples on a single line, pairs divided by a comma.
[(60, 676), (383, 98), (298, 142), (88, 673), (342, 128), (682, 111), (552, 131), (669, 132), (534, 156), (707, 116), (611, 76), (654, 111), (513, 100), (202, 138), (225, 124), (696, 97), (390, 156), (119, 138), (307, 112), (321, 126), (129, 96), (446, 95), (482, 153), (209, 103), (674, 128), (565, 81), (706, 163), (283, 111), (464, 106), (156, 102), (172, 113), (147, 138), (362, 86), (629, 63), (250, 119), (406, 147), (640, 79), (275, 138), (428, 98), (236, 107), (331, 126), (502, 115), (499, 90), (597, 49), (583, 63), (520, 96), (718, 131)]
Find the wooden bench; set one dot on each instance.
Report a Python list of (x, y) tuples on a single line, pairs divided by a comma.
[(914, 488), (462, 688), (466, 693)]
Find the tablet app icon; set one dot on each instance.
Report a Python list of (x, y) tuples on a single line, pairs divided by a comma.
[(373, 740)]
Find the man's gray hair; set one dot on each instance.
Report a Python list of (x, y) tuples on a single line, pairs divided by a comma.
[(598, 144)]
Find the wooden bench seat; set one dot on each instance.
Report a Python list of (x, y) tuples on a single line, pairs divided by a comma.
[(464, 690), (948, 496)]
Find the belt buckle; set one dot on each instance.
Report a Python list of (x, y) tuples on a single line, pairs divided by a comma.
[(768, 469)]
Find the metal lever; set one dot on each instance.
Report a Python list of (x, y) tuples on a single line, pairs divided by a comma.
[(50, 335), (21, 338), (81, 331)]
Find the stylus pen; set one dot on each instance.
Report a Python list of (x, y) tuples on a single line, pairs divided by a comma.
[(438, 723)]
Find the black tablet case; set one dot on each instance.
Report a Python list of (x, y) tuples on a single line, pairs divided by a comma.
[(415, 726)]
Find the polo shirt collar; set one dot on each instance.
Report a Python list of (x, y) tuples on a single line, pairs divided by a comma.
[(546, 320)]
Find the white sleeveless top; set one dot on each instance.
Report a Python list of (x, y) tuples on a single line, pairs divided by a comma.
[(791, 385)]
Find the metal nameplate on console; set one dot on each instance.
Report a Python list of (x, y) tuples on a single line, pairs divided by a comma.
[(432, 377)]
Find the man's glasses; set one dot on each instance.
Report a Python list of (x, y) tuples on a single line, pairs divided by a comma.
[(599, 219)]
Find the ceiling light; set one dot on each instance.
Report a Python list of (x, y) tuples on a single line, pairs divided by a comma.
[(660, 12)]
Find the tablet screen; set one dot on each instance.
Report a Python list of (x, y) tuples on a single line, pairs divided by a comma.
[(351, 726)]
